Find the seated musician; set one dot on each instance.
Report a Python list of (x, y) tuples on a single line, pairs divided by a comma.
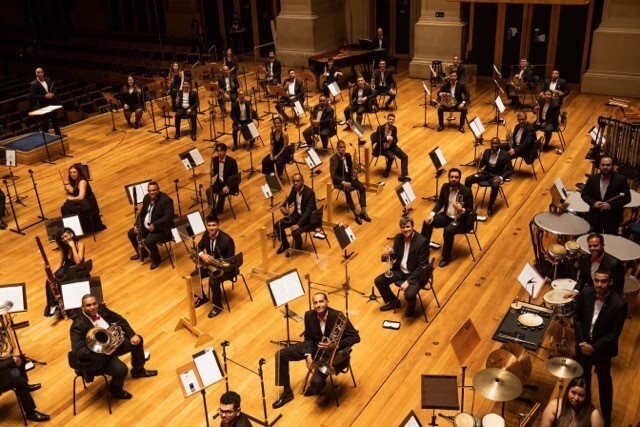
[(223, 168), (602, 193), (409, 256), (274, 70), (459, 67), (460, 97), (187, 103), (495, 166), (71, 253), (331, 75), (294, 91), (13, 367), (384, 83), (231, 61), (557, 86), (547, 114), (523, 140), (574, 409), (345, 178), (3, 210), (214, 244), (242, 114), (230, 413), (228, 84), (385, 142), (318, 325), (173, 82), (95, 315), (380, 41), (519, 81), (43, 93), (361, 101), (451, 212), (153, 224), (81, 200), (278, 157), (132, 101), (322, 123), (302, 203)]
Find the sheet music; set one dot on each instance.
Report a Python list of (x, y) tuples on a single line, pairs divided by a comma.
[(531, 280), (297, 108), (314, 157), (560, 187), (350, 234), (15, 294), (253, 129), (440, 156), (207, 367), (496, 70), (45, 110), (334, 89), (189, 382), (407, 193), (141, 190), (499, 104), (186, 163), (176, 235), (73, 222), (595, 136), (72, 293), (412, 422), (196, 156), (266, 191), (10, 156), (197, 225), (433, 73), (426, 89), (309, 162), (286, 288)]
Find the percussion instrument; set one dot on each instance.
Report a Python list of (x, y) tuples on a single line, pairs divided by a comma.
[(497, 384), (530, 320), (562, 307), (563, 367), (563, 284), (631, 286), (574, 203), (557, 252), (513, 358), (573, 249), (561, 224), (466, 420), (635, 200), (493, 420), (619, 247)]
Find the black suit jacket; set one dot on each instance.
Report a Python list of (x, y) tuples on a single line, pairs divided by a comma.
[(377, 44), (389, 81), (81, 325), (194, 100), (378, 138), (298, 89), (313, 334), (443, 201), (553, 113), (230, 169), (418, 255), (235, 111), (277, 69), (367, 93), (461, 93), (326, 119), (561, 85), (617, 185), (162, 215), (307, 204), (336, 167), (609, 263), (332, 77), (461, 71), (527, 148), (225, 246), (503, 166), (38, 92), (233, 82), (608, 326)]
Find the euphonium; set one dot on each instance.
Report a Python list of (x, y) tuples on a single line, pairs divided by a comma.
[(7, 344), (516, 83), (324, 358), (216, 267), (105, 341), (447, 99)]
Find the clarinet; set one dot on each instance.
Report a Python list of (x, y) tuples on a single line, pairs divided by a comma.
[(137, 224), (51, 279)]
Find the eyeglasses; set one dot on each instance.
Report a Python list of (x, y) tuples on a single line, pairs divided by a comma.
[(226, 412)]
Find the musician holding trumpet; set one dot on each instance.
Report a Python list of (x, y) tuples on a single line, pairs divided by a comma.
[(95, 315), (454, 96), (319, 325)]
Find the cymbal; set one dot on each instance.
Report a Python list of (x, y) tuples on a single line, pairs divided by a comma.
[(513, 358), (497, 384), (563, 367), (5, 306)]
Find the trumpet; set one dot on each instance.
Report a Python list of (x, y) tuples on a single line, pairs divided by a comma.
[(104, 341), (216, 267), (456, 215), (388, 274), (324, 359)]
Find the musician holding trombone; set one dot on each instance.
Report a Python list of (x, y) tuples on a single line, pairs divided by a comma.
[(320, 327), (454, 96)]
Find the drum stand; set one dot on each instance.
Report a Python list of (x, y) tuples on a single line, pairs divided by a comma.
[(560, 347)]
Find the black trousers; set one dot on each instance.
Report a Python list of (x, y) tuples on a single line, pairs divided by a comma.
[(220, 196), (484, 176), (181, 113), (359, 109), (280, 227), (325, 133), (269, 166), (607, 222), (362, 193), (3, 201), (383, 283), (385, 90), (236, 130), (605, 384), (285, 103), (295, 353), (215, 284), (443, 221), (151, 241), (396, 151), (44, 122), (442, 109), (116, 368), (221, 100), (20, 382), (548, 130)]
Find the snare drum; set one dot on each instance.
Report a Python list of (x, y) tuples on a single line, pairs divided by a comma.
[(466, 420), (562, 307), (493, 420), (631, 286), (563, 284)]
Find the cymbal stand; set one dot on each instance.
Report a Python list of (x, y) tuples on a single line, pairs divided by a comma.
[(439, 173), (476, 158), (561, 346), (175, 182)]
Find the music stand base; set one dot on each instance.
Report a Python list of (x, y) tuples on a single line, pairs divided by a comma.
[(372, 296), (284, 343), (262, 423), (202, 337)]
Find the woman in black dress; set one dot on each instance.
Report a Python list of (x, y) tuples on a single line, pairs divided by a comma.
[(174, 82), (231, 61), (278, 156), (132, 101), (82, 201)]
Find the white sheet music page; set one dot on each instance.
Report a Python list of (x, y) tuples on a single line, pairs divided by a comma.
[(72, 293), (253, 129), (297, 107), (196, 156), (531, 280), (426, 89), (186, 163), (314, 157), (10, 156), (561, 189), (207, 367), (197, 225), (440, 156), (266, 191), (73, 222), (13, 294), (408, 191), (189, 382), (286, 288), (176, 235), (334, 89), (350, 233), (499, 104)]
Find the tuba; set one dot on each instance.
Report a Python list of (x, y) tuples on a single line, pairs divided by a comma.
[(105, 341), (324, 359), (7, 341), (216, 267)]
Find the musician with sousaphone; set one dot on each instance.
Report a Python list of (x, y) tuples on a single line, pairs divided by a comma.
[(328, 336), (453, 96), (100, 332)]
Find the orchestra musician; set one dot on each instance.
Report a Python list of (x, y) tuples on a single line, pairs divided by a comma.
[(274, 70), (215, 244), (385, 141), (522, 77), (322, 123), (242, 113), (384, 83), (547, 113), (558, 86), (187, 103), (18, 381), (294, 91), (318, 324), (598, 320), (459, 67), (230, 413), (495, 166), (174, 82), (43, 94), (451, 213), (132, 101), (574, 409), (94, 315), (523, 140), (225, 170), (278, 157), (460, 97), (302, 202), (331, 75), (3, 210), (154, 223), (345, 178), (361, 100), (81, 200), (380, 42), (71, 253), (605, 212), (408, 257), (228, 84), (231, 61)]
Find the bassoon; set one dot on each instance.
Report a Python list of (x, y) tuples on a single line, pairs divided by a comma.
[(51, 279)]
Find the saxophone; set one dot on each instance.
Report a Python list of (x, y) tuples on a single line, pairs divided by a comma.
[(510, 139), (324, 358)]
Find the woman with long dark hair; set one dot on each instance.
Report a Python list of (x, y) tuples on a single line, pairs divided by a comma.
[(82, 201), (231, 61), (132, 101), (277, 158), (574, 409)]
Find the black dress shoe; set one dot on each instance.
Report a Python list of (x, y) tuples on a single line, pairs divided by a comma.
[(283, 400), (347, 128), (37, 416), (176, 136), (154, 265), (201, 301), (409, 312), (121, 394), (134, 257), (193, 137), (135, 125), (3, 225), (310, 392), (34, 387), (391, 306), (490, 211), (385, 174), (444, 262), (358, 220), (365, 217), (234, 148), (461, 129), (282, 248), (440, 128), (143, 373), (214, 312)]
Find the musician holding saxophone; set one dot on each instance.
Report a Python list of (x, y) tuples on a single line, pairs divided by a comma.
[(83, 344), (454, 96), (325, 330), (345, 177)]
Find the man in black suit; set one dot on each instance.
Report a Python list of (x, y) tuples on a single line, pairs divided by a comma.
[(154, 223), (187, 103), (384, 82), (302, 203), (361, 100), (95, 315), (557, 86), (523, 140), (43, 94), (225, 170), (3, 210), (547, 114), (230, 413), (605, 215), (322, 122), (385, 142), (495, 166), (294, 91), (14, 366), (380, 41), (598, 259), (241, 114), (454, 203), (331, 75), (274, 71), (409, 256), (215, 244), (598, 321), (228, 84), (345, 178), (461, 98), (521, 77), (460, 68), (318, 324)]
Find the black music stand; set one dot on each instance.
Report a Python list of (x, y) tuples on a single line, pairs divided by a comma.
[(438, 161), (499, 107), (270, 189), (313, 161), (165, 106), (477, 129), (191, 159), (439, 392), (406, 196), (142, 188), (284, 289), (148, 98), (425, 105), (113, 107), (250, 133), (11, 161), (40, 217)]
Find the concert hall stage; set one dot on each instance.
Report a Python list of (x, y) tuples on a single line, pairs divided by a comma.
[(30, 148)]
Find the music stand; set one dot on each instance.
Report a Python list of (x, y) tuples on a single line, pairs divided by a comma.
[(313, 161), (411, 420), (270, 189), (438, 160), (277, 92), (425, 105), (406, 196), (113, 107), (142, 188), (11, 161), (360, 131), (165, 106), (345, 236), (284, 289), (73, 222), (72, 291), (499, 107), (191, 159), (250, 132), (17, 294), (439, 392), (42, 113), (477, 129), (40, 217)]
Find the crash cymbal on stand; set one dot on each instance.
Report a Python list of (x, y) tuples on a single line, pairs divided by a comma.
[(497, 384), (513, 358), (563, 367)]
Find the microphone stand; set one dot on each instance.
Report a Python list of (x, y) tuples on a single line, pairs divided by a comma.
[(439, 173)]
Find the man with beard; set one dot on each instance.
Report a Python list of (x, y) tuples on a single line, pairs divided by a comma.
[(547, 112), (322, 123), (460, 97), (557, 86), (523, 142)]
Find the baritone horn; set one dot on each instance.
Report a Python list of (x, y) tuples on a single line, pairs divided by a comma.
[(105, 341), (7, 341), (216, 267), (446, 99), (324, 358)]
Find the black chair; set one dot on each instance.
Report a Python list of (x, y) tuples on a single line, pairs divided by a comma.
[(562, 125), (472, 219), (80, 271), (375, 153), (341, 365), (236, 261), (234, 183), (316, 227), (485, 185), (87, 369), (539, 144), (426, 284), (5, 380)]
